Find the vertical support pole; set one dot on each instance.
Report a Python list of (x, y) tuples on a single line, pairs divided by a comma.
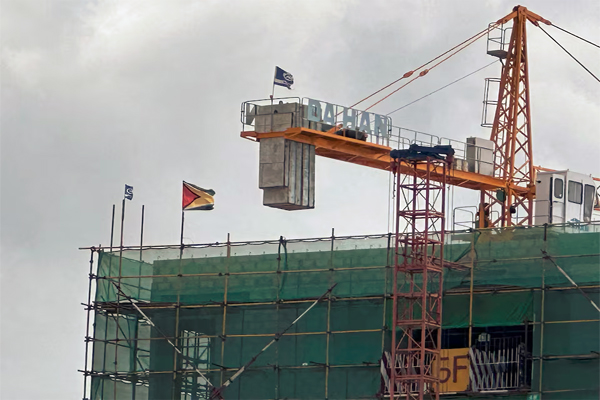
[(328, 333), (542, 323), (142, 232), (471, 289), (225, 290), (327, 366), (182, 225), (394, 360), (272, 95), (523, 378), (440, 277), (134, 377), (273, 89), (121, 245), (119, 298), (112, 231), (135, 343), (87, 325), (141, 253), (385, 293), (481, 211), (176, 389), (280, 281), (542, 320), (176, 378)]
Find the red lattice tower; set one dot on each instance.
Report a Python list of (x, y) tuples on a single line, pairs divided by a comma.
[(417, 307)]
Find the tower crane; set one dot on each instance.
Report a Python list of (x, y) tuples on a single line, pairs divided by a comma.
[(293, 131), (507, 193)]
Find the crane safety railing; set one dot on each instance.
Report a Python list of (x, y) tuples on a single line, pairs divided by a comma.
[(466, 217), (271, 115), (468, 157), (279, 114)]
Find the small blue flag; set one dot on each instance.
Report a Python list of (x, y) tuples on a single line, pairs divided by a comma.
[(129, 192), (283, 78)]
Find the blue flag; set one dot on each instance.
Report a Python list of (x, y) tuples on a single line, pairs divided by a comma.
[(129, 192), (283, 78)]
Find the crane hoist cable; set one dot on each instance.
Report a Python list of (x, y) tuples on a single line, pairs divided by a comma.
[(578, 37), (572, 56), (443, 87), (409, 73), (470, 41)]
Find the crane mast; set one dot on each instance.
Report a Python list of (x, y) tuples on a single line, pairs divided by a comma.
[(511, 133)]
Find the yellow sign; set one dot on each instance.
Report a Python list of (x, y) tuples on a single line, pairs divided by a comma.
[(454, 370)]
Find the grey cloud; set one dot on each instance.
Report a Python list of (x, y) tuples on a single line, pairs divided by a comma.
[(99, 94)]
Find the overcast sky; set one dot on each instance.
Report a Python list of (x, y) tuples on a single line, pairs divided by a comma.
[(96, 94)]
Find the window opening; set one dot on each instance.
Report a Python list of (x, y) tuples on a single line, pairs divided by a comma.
[(588, 202), (575, 192), (559, 188)]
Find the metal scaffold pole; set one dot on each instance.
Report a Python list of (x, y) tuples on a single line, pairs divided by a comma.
[(87, 324), (223, 335)]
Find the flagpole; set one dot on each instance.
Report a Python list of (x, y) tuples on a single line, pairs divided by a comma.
[(141, 250), (181, 247), (121, 245), (273, 90), (182, 224), (272, 95), (119, 287)]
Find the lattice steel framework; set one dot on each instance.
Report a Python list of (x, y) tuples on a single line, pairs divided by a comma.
[(417, 296), (511, 132)]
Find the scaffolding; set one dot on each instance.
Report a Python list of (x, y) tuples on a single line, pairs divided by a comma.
[(418, 272), (210, 308)]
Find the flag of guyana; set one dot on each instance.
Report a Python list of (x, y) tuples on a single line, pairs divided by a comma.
[(196, 198)]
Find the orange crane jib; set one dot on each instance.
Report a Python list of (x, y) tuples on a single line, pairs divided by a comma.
[(377, 156)]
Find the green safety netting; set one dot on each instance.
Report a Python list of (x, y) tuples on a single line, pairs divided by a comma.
[(221, 304)]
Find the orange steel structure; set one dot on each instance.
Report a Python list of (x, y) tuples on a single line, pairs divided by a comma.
[(511, 131), (375, 156)]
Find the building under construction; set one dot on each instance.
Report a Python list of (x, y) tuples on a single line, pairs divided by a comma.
[(513, 324), (504, 304)]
